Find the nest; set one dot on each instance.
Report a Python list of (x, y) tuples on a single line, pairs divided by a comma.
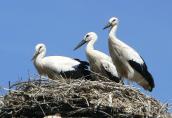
[(78, 98)]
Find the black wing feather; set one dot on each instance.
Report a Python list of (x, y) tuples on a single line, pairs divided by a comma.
[(112, 77), (83, 67), (142, 69)]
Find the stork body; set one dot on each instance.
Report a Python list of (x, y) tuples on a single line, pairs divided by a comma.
[(58, 66), (128, 62), (100, 63)]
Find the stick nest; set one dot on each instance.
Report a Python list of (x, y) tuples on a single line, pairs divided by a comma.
[(76, 98)]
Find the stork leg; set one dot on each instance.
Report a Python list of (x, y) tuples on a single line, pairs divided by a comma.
[(121, 80), (40, 77), (130, 74)]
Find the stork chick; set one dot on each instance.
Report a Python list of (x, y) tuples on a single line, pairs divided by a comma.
[(58, 66), (100, 63), (128, 62)]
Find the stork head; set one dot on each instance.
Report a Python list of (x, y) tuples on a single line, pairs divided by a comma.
[(39, 48), (90, 36), (87, 38), (112, 22)]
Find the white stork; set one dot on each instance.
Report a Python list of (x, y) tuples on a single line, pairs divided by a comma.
[(128, 62), (59, 66), (100, 63)]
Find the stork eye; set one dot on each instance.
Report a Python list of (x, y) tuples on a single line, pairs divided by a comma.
[(40, 47), (113, 20), (87, 36)]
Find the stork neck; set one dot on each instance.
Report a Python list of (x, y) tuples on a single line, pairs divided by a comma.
[(112, 31), (40, 56), (90, 45)]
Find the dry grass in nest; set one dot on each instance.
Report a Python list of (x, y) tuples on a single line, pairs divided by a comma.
[(76, 98)]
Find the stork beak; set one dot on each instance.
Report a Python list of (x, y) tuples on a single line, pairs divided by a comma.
[(107, 26), (80, 44), (34, 56)]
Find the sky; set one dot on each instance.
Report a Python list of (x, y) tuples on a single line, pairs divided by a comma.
[(61, 24)]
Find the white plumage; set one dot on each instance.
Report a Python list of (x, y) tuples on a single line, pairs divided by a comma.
[(58, 66), (128, 62), (64, 63), (100, 63)]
